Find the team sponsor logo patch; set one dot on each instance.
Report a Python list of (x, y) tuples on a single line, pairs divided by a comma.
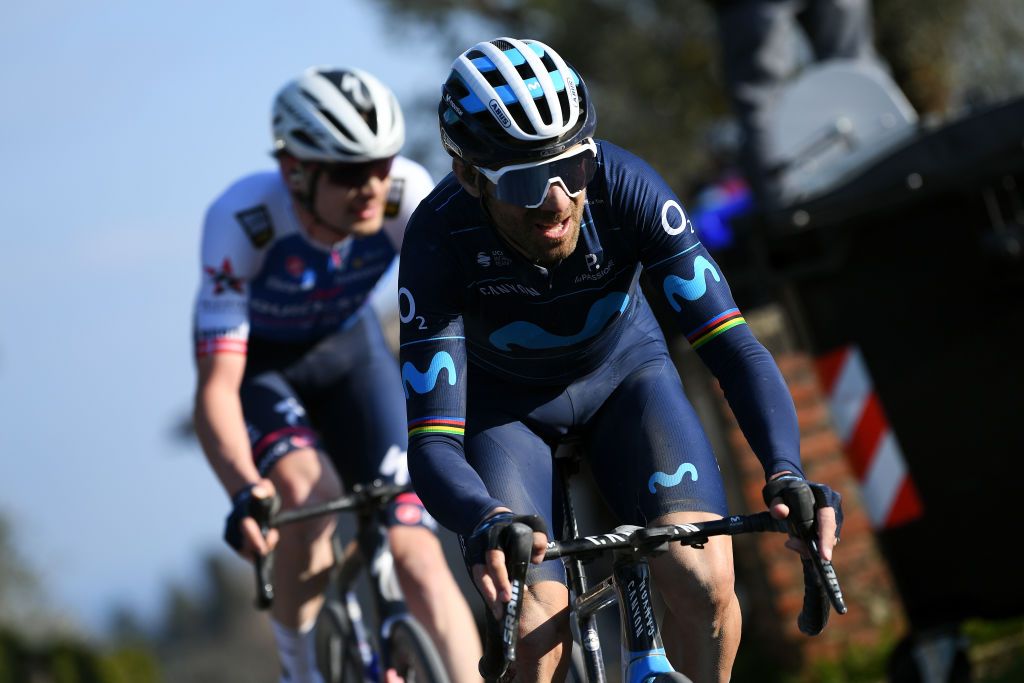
[(408, 514), (257, 225), (394, 202)]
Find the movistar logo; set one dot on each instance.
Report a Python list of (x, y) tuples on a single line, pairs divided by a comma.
[(670, 480), (423, 382), (691, 289), (530, 336)]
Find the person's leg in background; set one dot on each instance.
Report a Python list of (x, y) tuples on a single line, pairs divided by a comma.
[(760, 49), (840, 29)]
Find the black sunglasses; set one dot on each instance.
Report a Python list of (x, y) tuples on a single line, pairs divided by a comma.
[(356, 175)]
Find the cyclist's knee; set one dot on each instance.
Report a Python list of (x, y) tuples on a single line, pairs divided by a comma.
[(303, 477), (697, 581), (306, 477)]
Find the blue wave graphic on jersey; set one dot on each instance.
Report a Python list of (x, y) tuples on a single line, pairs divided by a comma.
[(530, 336), (422, 382), (669, 480), (691, 289)]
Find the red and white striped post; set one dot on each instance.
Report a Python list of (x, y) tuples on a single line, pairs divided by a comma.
[(889, 495)]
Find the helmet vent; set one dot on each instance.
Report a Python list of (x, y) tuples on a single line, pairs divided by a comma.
[(502, 45), (520, 117), (304, 138)]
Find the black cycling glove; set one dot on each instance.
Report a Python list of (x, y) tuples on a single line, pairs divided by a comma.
[(487, 534), (804, 499), (239, 510)]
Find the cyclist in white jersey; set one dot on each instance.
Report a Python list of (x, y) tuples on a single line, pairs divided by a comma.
[(296, 383)]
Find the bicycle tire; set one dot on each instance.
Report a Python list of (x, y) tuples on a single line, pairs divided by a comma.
[(337, 647), (412, 654)]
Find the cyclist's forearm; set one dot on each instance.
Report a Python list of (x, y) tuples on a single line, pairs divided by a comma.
[(220, 427), (449, 487), (759, 398)]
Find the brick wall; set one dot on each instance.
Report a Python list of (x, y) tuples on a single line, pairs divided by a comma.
[(769, 579)]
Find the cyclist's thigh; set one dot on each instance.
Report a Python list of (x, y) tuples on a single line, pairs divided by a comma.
[(275, 418), (515, 466), (284, 444), (354, 395), (648, 451)]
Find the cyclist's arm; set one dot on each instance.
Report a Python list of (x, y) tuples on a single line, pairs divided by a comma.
[(433, 362), (221, 332), (219, 422), (695, 287)]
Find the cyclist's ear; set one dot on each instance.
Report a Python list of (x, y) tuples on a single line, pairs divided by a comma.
[(468, 177)]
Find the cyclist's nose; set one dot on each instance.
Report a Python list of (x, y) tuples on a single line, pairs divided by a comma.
[(556, 199)]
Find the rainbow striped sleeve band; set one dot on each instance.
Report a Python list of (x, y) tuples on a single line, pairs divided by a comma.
[(716, 326), (437, 425)]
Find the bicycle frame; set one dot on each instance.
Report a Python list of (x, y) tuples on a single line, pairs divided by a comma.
[(628, 587), (368, 552)]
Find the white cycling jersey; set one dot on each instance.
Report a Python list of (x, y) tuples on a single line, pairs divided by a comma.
[(262, 276)]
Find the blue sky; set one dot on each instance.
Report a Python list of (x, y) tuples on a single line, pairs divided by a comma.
[(121, 121)]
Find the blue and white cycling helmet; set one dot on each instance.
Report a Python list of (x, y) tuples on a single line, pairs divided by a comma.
[(337, 115), (508, 100)]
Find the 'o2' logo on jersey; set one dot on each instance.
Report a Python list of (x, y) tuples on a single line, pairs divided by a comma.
[(424, 382), (404, 295), (670, 211)]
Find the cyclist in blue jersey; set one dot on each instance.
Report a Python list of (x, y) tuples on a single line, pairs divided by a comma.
[(296, 383), (522, 321)]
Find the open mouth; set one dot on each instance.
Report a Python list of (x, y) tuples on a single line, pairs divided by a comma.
[(554, 231)]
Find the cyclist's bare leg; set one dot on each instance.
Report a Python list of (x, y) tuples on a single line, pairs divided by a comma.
[(703, 613), (544, 634), (434, 598), (304, 554)]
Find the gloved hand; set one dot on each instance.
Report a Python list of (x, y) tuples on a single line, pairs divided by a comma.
[(813, 510), (241, 531)]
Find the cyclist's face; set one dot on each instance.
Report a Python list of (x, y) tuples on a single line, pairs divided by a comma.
[(352, 196), (546, 234)]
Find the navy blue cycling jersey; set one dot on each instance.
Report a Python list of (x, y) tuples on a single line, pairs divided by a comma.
[(469, 299)]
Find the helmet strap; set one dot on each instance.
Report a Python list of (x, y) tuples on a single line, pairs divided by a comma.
[(307, 200)]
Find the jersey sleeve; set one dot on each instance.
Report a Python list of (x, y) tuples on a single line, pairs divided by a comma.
[(221, 323), (693, 285), (409, 185), (433, 360)]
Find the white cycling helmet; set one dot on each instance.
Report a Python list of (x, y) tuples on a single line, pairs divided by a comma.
[(337, 115)]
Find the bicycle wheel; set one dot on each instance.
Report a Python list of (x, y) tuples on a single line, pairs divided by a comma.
[(413, 655), (337, 646)]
